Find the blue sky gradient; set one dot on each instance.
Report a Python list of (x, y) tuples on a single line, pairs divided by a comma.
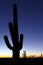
[(30, 23)]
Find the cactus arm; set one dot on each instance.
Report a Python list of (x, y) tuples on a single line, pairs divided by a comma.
[(7, 43), (11, 28), (21, 41)]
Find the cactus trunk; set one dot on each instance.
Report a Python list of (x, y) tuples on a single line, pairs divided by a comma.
[(16, 54)]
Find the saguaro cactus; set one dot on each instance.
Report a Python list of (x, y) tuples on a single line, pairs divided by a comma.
[(17, 44)]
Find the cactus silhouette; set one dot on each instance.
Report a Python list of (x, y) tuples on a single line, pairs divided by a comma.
[(24, 54), (17, 44), (41, 56)]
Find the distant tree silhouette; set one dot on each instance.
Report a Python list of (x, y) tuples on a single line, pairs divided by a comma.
[(17, 44)]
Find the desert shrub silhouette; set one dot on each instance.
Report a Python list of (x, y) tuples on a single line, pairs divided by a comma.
[(17, 44)]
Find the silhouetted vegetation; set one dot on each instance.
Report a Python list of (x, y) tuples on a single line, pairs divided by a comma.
[(17, 42), (24, 54)]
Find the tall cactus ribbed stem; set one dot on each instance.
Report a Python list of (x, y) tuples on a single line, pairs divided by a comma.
[(17, 45)]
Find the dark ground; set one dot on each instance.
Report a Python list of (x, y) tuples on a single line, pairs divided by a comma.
[(10, 61)]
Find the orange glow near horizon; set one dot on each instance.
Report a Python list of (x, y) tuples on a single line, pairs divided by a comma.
[(6, 56), (21, 56)]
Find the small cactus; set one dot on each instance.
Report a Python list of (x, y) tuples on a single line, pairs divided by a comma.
[(41, 56), (24, 54), (17, 44)]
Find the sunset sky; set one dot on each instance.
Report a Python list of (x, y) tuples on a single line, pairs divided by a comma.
[(30, 23)]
